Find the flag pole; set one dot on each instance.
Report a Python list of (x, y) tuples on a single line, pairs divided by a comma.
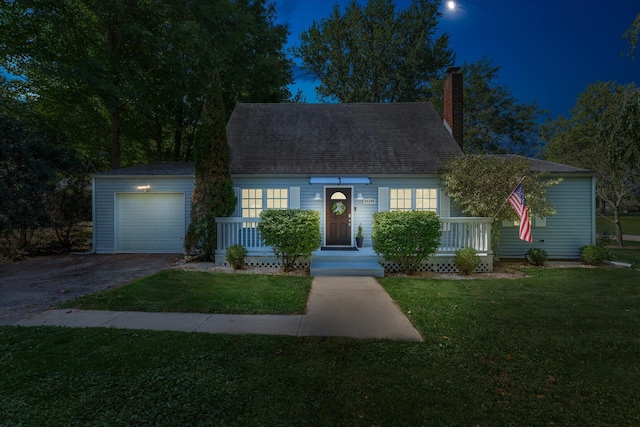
[(505, 200)]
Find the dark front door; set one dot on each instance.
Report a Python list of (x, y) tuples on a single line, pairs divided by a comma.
[(338, 216)]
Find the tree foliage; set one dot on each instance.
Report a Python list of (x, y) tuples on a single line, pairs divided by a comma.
[(481, 184), (32, 165), (631, 35), (127, 78), (407, 238), (374, 53), (291, 233), (494, 120), (602, 134), (213, 194)]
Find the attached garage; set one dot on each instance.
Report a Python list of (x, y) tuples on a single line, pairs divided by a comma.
[(142, 209)]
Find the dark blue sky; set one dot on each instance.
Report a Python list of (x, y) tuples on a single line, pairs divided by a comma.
[(549, 51)]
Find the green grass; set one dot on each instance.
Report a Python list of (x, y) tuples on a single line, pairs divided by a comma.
[(630, 253), (201, 292), (630, 224), (558, 348)]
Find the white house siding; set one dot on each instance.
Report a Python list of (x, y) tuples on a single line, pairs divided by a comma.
[(572, 227), (105, 190), (363, 213)]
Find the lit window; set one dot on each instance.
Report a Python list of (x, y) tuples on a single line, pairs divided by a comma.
[(251, 202), (400, 199), (426, 199), (277, 198)]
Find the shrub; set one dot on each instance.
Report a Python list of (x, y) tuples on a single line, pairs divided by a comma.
[(466, 260), (292, 233), (407, 238), (536, 256), (593, 255), (236, 255)]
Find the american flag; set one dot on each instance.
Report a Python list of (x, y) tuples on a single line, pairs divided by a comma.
[(516, 200)]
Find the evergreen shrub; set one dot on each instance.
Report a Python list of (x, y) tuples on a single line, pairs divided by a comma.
[(593, 255), (236, 255), (407, 238), (292, 233), (466, 260), (536, 256)]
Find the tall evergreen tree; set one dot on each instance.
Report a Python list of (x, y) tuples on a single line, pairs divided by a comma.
[(213, 195)]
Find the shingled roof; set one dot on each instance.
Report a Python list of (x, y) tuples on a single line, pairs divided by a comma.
[(393, 138)]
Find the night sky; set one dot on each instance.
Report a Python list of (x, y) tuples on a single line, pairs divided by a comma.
[(549, 51)]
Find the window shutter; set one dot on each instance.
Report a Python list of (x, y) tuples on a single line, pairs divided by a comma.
[(445, 205), (294, 198), (383, 199)]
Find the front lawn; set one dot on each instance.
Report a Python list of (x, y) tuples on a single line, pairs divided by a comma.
[(201, 292), (630, 224), (558, 348)]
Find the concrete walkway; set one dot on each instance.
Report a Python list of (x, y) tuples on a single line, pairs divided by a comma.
[(356, 307)]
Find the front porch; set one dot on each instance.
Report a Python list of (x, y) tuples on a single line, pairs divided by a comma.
[(457, 233)]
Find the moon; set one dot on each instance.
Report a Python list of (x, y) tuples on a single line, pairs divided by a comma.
[(451, 5)]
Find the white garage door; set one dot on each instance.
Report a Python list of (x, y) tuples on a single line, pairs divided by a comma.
[(150, 223)]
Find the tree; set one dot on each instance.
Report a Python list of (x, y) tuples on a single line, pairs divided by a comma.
[(480, 185), (29, 161), (602, 134), (375, 54), (213, 195), (494, 121), (631, 35), (127, 77)]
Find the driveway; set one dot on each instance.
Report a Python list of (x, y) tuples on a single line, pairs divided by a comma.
[(34, 285)]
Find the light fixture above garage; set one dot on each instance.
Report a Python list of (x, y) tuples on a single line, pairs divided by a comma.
[(145, 188)]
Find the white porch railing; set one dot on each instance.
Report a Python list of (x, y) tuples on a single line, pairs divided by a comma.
[(456, 233)]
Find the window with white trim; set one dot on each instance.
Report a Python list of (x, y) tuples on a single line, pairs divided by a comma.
[(277, 198), (419, 199), (426, 199), (400, 199), (251, 202)]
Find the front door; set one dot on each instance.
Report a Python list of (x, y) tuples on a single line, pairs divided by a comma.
[(338, 215)]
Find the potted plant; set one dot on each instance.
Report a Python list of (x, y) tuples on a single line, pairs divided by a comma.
[(359, 237)]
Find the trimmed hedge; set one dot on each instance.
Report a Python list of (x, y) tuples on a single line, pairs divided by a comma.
[(466, 260), (407, 238), (292, 233)]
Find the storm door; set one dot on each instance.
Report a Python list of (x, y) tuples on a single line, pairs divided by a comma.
[(338, 216)]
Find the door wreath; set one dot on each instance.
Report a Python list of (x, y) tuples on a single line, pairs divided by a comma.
[(338, 208)]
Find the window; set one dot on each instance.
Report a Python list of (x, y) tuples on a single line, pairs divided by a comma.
[(426, 199), (400, 199), (251, 202), (277, 198), (420, 199)]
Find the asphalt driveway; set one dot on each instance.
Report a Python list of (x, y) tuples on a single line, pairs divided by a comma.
[(34, 285)]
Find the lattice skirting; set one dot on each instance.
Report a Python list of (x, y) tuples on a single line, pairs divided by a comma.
[(438, 264), (442, 264), (261, 261)]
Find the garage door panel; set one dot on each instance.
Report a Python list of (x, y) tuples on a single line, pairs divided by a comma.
[(150, 223)]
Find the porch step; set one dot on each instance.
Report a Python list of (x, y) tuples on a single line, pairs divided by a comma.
[(346, 266)]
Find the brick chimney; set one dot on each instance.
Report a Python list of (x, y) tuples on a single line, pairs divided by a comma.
[(453, 105)]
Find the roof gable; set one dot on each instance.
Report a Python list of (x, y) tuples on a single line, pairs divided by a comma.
[(392, 138)]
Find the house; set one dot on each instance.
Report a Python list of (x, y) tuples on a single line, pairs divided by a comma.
[(347, 161)]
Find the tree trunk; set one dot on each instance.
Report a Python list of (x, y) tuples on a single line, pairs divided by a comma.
[(616, 221), (177, 136), (114, 137)]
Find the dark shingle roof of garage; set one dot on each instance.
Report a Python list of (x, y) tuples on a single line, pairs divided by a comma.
[(153, 169), (393, 138)]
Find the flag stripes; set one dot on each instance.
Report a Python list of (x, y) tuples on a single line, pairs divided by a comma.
[(517, 201)]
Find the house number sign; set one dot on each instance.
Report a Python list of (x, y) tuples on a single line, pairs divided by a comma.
[(369, 201)]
